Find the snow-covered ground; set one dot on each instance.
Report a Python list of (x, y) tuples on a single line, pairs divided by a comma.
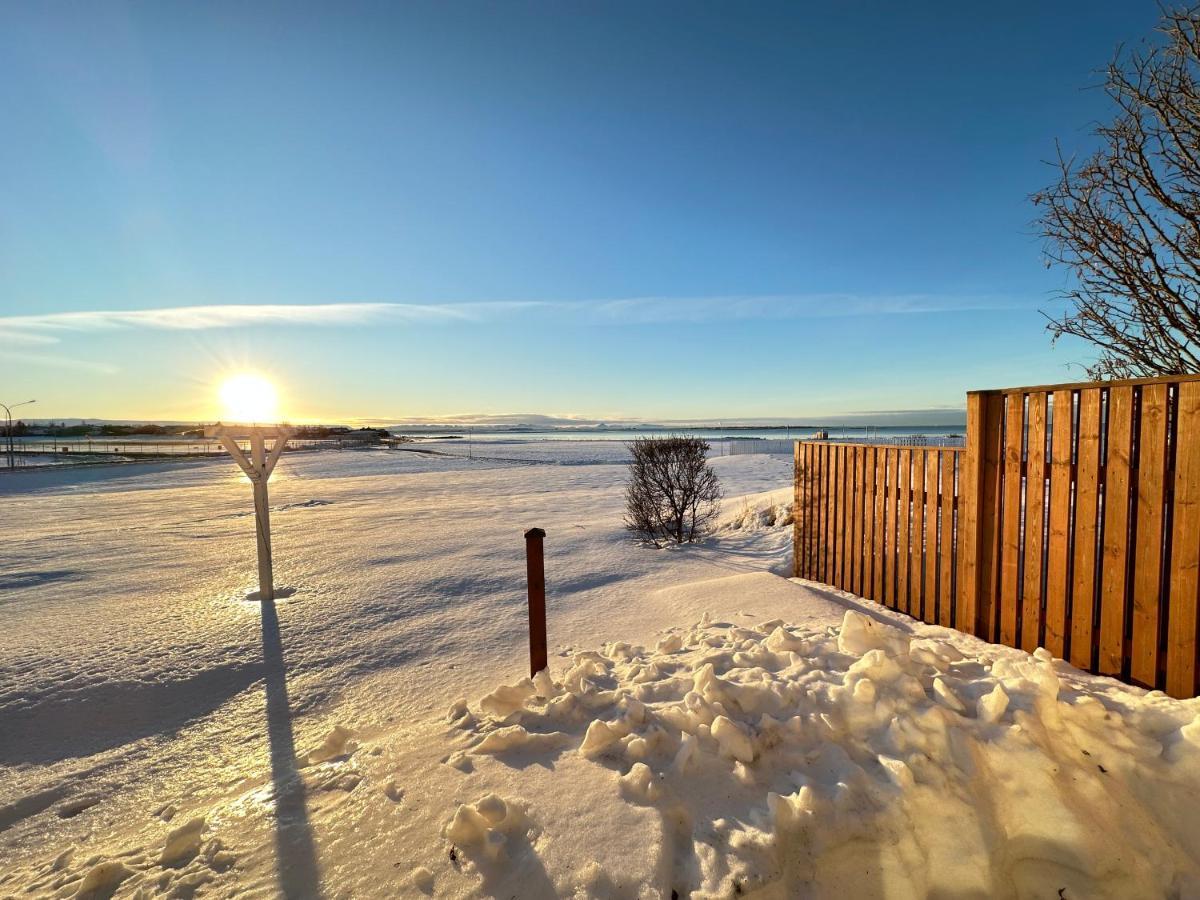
[(707, 726)]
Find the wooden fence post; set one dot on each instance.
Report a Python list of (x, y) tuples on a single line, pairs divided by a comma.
[(536, 574), (978, 558)]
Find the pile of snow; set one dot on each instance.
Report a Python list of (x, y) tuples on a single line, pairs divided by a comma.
[(755, 512), (854, 759)]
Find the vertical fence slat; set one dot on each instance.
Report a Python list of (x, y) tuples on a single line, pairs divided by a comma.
[(860, 502), (1035, 484), (977, 556), (880, 517), (854, 491), (904, 517), (1010, 542), (1083, 568), (817, 517), (1148, 548), (916, 570), (847, 559), (868, 509), (893, 504), (1058, 535), (1185, 546), (827, 488), (847, 515), (1116, 530), (946, 547), (932, 461), (830, 512), (835, 516), (819, 509), (815, 504), (814, 511), (868, 576)]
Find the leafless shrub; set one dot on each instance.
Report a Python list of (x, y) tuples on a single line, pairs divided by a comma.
[(1126, 221), (673, 494)]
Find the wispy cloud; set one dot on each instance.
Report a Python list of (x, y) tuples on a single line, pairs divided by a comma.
[(25, 338), (793, 306), (61, 362), (48, 328)]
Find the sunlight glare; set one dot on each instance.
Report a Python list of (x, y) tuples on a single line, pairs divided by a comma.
[(249, 398)]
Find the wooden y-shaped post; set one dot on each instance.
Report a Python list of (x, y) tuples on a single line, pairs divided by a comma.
[(258, 469)]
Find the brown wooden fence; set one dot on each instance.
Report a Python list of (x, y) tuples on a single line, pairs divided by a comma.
[(1071, 521), (881, 522)]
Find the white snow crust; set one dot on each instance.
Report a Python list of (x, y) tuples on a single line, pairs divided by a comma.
[(706, 728)]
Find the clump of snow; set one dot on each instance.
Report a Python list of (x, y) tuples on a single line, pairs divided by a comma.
[(422, 879), (485, 827), (102, 879), (758, 512), (183, 842), (507, 699), (339, 742)]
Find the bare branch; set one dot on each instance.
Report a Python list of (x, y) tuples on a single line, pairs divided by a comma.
[(1126, 221)]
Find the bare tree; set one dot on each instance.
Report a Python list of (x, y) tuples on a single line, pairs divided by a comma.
[(673, 493), (1126, 221)]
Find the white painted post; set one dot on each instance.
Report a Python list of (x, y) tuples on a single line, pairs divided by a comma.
[(262, 518), (258, 469)]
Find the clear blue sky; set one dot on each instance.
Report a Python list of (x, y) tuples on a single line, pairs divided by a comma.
[(651, 210)]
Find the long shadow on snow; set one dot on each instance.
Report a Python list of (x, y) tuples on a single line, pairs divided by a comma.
[(295, 855), (110, 714), (14, 580)]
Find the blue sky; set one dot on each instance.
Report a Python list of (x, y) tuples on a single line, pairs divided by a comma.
[(613, 210)]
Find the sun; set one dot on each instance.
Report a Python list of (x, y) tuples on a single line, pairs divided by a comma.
[(249, 398)]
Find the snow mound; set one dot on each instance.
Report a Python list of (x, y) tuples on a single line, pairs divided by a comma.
[(338, 743), (757, 512), (103, 879), (794, 759), (182, 843)]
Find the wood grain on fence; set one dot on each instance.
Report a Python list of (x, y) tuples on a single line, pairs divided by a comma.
[(1070, 520), (899, 538), (1030, 612), (929, 610)]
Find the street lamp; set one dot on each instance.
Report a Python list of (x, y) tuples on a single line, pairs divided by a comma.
[(12, 463)]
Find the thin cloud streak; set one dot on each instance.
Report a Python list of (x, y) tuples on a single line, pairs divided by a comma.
[(41, 328), (47, 328), (647, 310), (62, 362)]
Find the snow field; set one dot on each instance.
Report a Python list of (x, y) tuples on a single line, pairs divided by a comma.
[(160, 737), (133, 672)]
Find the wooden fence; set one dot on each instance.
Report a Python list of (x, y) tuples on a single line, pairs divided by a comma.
[(881, 522), (1071, 521)]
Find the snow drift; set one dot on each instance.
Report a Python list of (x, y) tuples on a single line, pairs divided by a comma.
[(789, 760)]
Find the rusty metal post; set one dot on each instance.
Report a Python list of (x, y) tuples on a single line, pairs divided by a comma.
[(536, 573)]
